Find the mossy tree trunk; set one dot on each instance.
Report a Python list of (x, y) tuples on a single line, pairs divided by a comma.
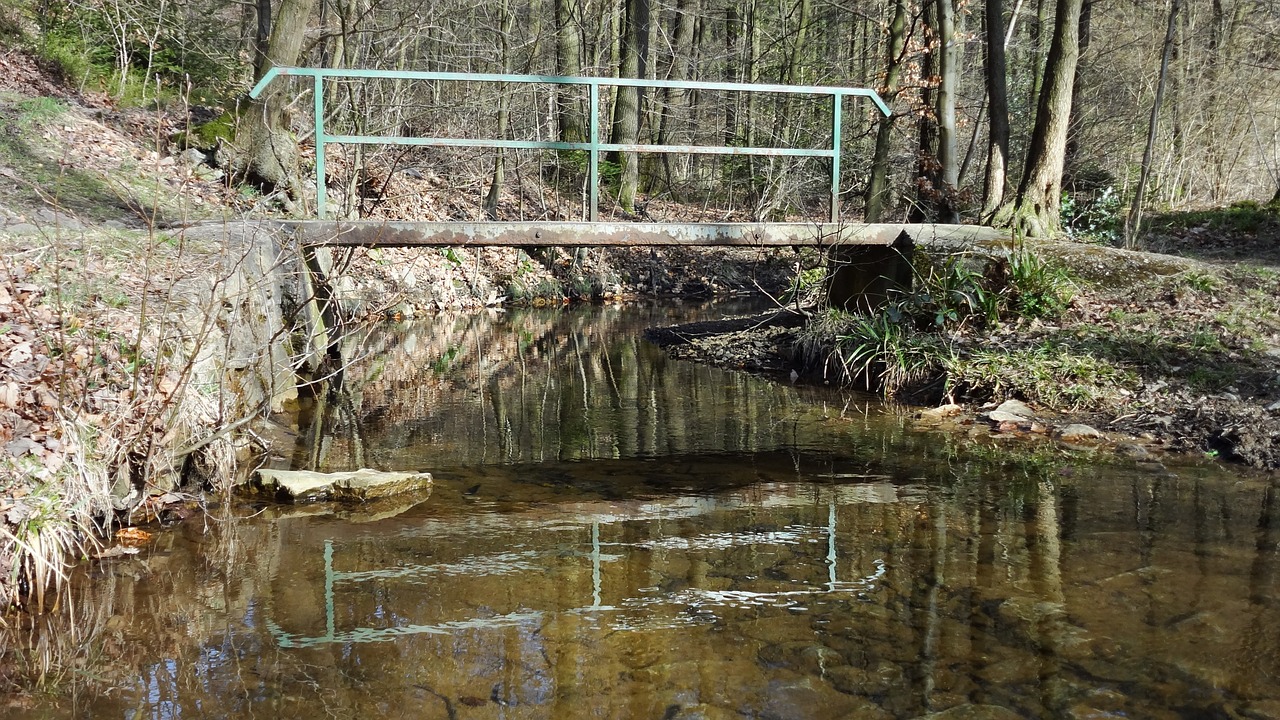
[(1034, 212), (264, 148)]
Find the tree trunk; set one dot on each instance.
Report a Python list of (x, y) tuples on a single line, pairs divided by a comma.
[(927, 184), (264, 148), (1133, 223), (995, 180), (504, 113), (948, 79), (878, 184), (569, 116), (1035, 210), (682, 26), (626, 110)]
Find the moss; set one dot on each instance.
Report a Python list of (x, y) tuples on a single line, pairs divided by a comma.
[(206, 136)]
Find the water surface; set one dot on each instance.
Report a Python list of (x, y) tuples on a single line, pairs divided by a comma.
[(616, 535)]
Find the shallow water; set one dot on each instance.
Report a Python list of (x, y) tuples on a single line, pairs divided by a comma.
[(616, 535)]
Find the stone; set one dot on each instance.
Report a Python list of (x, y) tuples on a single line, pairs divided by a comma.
[(973, 712), (1016, 407), (1132, 450), (1003, 416), (1078, 431), (365, 484), (194, 156), (22, 229)]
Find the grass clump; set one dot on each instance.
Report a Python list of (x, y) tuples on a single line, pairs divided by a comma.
[(916, 339)]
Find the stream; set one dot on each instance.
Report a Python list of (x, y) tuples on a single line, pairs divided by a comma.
[(614, 534)]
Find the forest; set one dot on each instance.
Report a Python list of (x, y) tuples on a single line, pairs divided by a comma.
[(1049, 116)]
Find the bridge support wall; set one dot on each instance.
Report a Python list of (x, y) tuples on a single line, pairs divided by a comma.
[(861, 277)]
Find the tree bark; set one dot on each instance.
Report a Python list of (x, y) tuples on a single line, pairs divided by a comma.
[(626, 110), (948, 80), (569, 117), (682, 26), (504, 113), (1035, 212), (995, 180), (264, 148), (927, 183), (1133, 222), (878, 184)]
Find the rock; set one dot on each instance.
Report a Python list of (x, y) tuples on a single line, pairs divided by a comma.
[(306, 486), (1274, 407), (973, 712), (1003, 416), (194, 156), (1078, 431), (1132, 450), (22, 228), (1016, 407)]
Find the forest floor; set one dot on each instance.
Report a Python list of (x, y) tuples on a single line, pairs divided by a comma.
[(95, 201)]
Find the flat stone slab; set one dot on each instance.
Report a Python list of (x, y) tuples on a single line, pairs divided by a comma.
[(358, 485)]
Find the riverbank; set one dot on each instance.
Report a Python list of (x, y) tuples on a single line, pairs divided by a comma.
[(1134, 352)]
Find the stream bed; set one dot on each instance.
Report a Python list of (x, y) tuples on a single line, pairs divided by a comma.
[(613, 534)]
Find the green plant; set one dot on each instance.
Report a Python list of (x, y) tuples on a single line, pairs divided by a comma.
[(39, 111), (888, 354), (1040, 289), (1093, 217)]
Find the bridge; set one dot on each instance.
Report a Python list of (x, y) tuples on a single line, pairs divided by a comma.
[(866, 256)]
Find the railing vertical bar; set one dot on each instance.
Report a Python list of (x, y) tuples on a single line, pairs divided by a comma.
[(837, 111), (593, 167), (321, 200)]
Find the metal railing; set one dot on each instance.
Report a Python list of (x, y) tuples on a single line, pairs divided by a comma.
[(593, 146)]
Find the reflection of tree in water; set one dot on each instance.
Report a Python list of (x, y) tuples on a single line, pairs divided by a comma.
[(530, 385)]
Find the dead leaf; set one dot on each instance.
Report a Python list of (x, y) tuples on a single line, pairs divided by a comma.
[(133, 537), (21, 353)]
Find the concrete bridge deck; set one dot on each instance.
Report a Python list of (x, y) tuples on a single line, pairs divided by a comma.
[(376, 233)]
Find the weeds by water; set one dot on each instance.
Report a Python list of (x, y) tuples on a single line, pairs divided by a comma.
[(913, 339)]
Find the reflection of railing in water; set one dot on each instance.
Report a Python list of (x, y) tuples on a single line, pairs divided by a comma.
[(606, 514)]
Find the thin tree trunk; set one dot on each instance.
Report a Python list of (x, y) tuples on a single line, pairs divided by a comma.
[(682, 27), (995, 180), (927, 131), (878, 184), (949, 77), (504, 113), (1133, 223), (1035, 212)]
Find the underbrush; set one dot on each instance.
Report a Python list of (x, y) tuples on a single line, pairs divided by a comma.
[(916, 343)]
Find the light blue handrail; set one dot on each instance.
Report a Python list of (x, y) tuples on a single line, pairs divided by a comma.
[(593, 146)]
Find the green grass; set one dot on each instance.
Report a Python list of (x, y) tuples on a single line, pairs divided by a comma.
[(1246, 217), (1056, 374)]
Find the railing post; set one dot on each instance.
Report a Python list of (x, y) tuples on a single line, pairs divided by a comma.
[(593, 167), (321, 210), (837, 111)]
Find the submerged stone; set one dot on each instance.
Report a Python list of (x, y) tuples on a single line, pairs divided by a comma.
[(365, 484), (1077, 431)]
